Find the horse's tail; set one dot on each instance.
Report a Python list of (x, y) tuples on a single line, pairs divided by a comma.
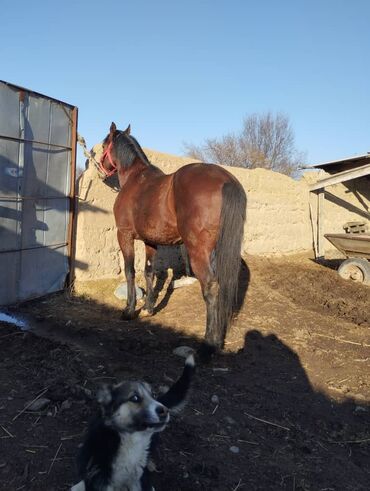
[(228, 254)]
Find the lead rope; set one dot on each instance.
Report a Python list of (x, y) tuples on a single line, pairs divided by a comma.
[(89, 155)]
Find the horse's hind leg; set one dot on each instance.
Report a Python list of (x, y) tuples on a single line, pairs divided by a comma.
[(185, 257), (126, 243), (150, 253), (204, 271), (214, 338)]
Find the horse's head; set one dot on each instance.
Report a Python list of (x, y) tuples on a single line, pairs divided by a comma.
[(108, 162)]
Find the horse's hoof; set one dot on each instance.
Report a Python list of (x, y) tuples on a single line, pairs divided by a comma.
[(146, 312), (206, 352), (127, 315)]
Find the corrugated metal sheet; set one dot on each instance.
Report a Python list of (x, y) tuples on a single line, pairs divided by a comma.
[(37, 168)]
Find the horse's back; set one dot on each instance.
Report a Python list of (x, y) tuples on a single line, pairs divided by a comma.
[(201, 182), (198, 195), (204, 173)]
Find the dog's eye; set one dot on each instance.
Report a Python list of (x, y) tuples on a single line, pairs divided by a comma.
[(135, 398)]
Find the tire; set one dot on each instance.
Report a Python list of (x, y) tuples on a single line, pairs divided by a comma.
[(356, 270)]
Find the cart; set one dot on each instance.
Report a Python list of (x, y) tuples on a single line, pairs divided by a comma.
[(355, 245)]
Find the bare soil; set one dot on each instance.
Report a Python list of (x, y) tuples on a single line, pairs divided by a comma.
[(286, 406)]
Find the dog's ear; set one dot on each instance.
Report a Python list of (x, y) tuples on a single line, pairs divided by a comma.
[(104, 395), (147, 387)]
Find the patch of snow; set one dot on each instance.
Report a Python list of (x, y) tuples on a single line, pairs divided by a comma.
[(184, 281), (121, 292), (11, 319)]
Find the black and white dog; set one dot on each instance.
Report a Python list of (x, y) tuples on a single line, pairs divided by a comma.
[(115, 454)]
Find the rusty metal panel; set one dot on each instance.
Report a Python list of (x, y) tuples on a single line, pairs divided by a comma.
[(9, 164), (37, 165), (58, 181), (47, 263), (56, 214), (45, 222), (9, 225), (60, 127), (37, 124), (35, 171), (9, 106)]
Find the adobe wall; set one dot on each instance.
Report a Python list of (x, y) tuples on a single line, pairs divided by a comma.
[(278, 217)]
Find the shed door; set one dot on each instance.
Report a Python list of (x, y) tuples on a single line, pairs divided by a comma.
[(37, 138)]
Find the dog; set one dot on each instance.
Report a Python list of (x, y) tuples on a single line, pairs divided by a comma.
[(115, 455)]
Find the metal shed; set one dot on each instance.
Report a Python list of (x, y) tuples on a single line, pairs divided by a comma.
[(340, 171), (37, 187)]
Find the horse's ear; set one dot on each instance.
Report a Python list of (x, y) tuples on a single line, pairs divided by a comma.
[(128, 130), (112, 130)]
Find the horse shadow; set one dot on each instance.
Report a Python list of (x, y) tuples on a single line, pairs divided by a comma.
[(182, 271), (287, 434)]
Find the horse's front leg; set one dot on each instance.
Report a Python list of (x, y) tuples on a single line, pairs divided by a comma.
[(126, 243), (150, 253)]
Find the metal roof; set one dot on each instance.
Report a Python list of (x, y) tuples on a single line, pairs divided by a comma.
[(358, 159), (38, 94)]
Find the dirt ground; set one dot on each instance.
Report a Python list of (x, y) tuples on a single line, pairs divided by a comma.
[(286, 406)]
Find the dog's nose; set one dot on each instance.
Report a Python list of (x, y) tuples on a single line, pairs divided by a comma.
[(161, 411)]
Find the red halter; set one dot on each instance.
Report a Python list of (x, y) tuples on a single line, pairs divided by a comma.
[(107, 153)]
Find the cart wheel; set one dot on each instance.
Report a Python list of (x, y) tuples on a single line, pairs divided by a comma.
[(357, 270)]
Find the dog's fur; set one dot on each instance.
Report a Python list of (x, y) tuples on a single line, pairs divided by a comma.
[(115, 454)]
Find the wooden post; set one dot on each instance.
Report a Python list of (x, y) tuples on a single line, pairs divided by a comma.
[(72, 197), (312, 197), (320, 223)]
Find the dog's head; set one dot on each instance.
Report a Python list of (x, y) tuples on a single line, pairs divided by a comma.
[(130, 407)]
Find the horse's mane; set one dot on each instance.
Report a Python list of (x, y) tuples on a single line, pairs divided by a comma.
[(127, 149)]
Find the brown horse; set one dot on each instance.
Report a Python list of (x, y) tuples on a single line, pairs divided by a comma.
[(201, 205)]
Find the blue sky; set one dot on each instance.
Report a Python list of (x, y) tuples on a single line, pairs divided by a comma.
[(186, 71)]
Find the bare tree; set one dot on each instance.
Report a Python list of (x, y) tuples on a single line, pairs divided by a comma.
[(266, 141)]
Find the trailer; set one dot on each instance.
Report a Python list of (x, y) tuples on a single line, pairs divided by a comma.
[(356, 247)]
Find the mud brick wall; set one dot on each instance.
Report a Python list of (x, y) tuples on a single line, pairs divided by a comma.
[(278, 217)]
